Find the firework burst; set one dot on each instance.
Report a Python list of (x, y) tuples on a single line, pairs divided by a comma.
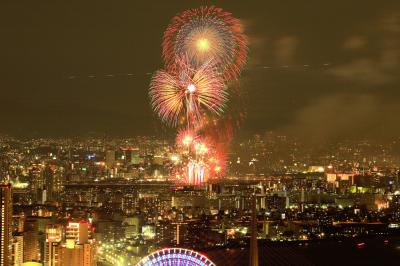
[(189, 93), (185, 138), (217, 163), (203, 50), (206, 33)]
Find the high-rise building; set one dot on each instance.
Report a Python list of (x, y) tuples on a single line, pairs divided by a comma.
[(37, 227), (78, 232), (131, 155), (53, 178), (18, 249), (31, 246), (20, 220), (5, 224), (129, 203), (110, 158), (58, 184), (132, 226), (253, 240), (181, 230), (52, 245), (77, 255), (78, 250), (48, 177), (36, 177)]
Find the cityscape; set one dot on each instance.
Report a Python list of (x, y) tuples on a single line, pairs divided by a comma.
[(112, 201), (226, 142)]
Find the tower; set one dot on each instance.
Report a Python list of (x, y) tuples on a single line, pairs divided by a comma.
[(5, 224), (253, 240)]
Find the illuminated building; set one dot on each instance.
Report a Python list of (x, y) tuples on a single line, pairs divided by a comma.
[(148, 232), (55, 183), (18, 250), (131, 155), (34, 238), (180, 232), (110, 158), (20, 223), (31, 246), (78, 250), (175, 256), (158, 160), (48, 177), (5, 224), (31, 263), (77, 255), (52, 245), (78, 232), (253, 240), (35, 176), (128, 203), (132, 226)]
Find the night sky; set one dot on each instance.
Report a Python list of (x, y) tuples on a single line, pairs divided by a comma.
[(316, 69)]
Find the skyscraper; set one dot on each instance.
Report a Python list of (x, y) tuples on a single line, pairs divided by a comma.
[(77, 255), (77, 232), (18, 249), (110, 158), (253, 240), (5, 224), (52, 245), (78, 250), (32, 245)]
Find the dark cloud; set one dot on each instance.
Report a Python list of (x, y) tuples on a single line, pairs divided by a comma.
[(355, 42), (363, 70), (338, 116)]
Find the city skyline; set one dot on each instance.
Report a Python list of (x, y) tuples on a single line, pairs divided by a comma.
[(115, 202)]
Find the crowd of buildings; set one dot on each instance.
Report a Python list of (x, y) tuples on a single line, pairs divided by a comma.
[(101, 201)]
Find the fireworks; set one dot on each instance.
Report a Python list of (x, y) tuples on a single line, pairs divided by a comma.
[(205, 159), (203, 50), (217, 163), (190, 92), (196, 172), (206, 33), (185, 138)]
